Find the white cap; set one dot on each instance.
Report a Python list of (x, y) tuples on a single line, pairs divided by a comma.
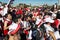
[(49, 20)]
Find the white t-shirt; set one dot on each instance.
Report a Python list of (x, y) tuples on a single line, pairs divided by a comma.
[(38, 20), (48, 28), (57, 35), (26, 24)]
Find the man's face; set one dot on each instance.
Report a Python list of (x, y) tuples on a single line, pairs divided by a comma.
[(40, 16), (29, 18), (9, 16), (19, 20)]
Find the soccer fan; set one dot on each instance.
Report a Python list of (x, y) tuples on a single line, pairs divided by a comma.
[(7, 22)]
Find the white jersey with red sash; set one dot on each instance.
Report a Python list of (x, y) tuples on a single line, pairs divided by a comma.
[(9, 23), (39, 22), (13, 28)]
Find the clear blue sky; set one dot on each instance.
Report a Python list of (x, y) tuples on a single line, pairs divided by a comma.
[(33, 2)]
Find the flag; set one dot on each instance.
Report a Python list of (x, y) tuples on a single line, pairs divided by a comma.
[(10, 2)]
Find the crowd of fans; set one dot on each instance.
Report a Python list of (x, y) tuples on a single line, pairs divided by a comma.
[(29, 24)]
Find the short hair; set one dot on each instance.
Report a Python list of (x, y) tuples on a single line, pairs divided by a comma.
[(17, 17), (6, 15), (29, 15), (0, 15)]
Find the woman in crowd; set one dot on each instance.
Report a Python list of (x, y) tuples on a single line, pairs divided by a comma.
[(14, 28), (49, 29), (7, 22)]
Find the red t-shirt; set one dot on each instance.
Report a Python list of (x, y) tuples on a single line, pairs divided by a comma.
[(19, 12), (55, 24), (9, 23)]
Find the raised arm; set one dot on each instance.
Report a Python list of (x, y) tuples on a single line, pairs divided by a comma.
[(52, 35)]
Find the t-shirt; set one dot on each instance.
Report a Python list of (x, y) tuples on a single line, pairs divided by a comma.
[(39, 22), (19, 12), (8, 24), (48, 28), (13, 28), (57, 35), (55, 24)]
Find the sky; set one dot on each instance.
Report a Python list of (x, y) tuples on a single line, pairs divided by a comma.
[(33, 2)]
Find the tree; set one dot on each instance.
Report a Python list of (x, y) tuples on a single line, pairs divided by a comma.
[(3, 4)]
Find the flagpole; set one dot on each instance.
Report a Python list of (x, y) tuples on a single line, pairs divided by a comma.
[(8, 2), (58, 2)]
